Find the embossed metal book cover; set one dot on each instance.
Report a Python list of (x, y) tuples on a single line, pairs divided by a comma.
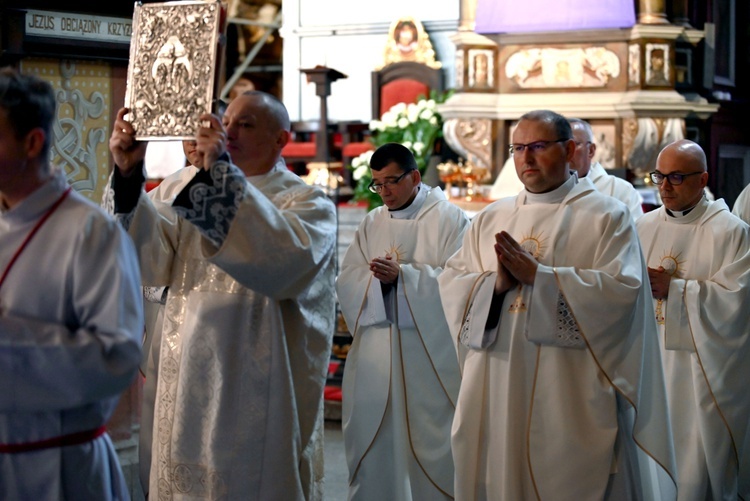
[(173, 70)]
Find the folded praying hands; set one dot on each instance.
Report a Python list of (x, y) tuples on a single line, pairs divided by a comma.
[(514, 263)]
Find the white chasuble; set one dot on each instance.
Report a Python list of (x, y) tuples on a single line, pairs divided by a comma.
[(70, 329), (705, 343), (548, 397), (402, 374), (246, 334), (617, 188)]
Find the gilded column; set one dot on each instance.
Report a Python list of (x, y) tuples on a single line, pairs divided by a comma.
[(652, 12), (468, 15)]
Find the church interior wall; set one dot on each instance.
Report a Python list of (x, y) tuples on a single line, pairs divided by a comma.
[(350, 37)]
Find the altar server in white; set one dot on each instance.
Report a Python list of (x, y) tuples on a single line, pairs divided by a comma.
[(70, 315), (402, 375), (699, 266), (247, 250), (562, 394), (606, 183)]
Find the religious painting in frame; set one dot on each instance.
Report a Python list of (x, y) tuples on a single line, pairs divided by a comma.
[(408, 41), (174, 67), (481, 68), (657, 64), (605, 138)]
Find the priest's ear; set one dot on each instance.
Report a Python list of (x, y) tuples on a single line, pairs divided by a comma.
[(283, 137), (592, 149), (570, 150), (704, 179), (35, 144)]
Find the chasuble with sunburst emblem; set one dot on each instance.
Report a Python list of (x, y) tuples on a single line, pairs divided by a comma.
[(402, 372), (563, 398), (704, 336)]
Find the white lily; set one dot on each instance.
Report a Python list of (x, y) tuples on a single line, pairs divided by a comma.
[(359, 172)]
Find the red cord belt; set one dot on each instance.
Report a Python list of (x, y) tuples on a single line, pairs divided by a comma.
[(77, 438)]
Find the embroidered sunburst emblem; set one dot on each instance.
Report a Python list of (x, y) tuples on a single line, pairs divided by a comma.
[(397, 252), (518, 306), (672, 263), (533, 244)]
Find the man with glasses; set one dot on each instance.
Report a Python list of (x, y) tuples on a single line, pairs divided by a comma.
[(562, 382), (698, 255), (605, 183), (402, 372)]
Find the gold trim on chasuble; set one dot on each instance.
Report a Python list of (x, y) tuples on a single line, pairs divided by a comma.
[(710, 390), (672, 264), (397, 251), (403, 381), (611, 383), (528, 423), (421, 340), (382, 418), (534, 245)]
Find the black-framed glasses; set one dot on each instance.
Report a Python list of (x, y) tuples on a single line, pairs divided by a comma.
[(674, 178), (535, 147), (388, 183)]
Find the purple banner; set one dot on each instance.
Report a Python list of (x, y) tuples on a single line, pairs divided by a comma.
[(515, 16)]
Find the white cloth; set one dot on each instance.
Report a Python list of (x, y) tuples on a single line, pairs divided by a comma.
[(163, 159), (70, 333), (153, 312), (507, 183), (705, 343), (616, 188), (402, 375), (247, 334), (546, 407), (741, 207)]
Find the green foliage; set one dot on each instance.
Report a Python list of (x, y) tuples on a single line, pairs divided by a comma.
[(417, 126)]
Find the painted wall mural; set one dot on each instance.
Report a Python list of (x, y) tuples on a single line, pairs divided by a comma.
[(81, 132)]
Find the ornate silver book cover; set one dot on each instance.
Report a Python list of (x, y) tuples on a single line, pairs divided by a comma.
[(173, 69)]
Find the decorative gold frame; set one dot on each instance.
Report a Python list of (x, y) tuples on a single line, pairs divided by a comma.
[(419, 48), (173, 71)]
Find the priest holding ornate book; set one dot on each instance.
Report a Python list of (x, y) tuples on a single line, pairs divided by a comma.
[(247, 251)]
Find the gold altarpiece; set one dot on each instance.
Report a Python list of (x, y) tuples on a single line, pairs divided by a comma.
[(623, 81)]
